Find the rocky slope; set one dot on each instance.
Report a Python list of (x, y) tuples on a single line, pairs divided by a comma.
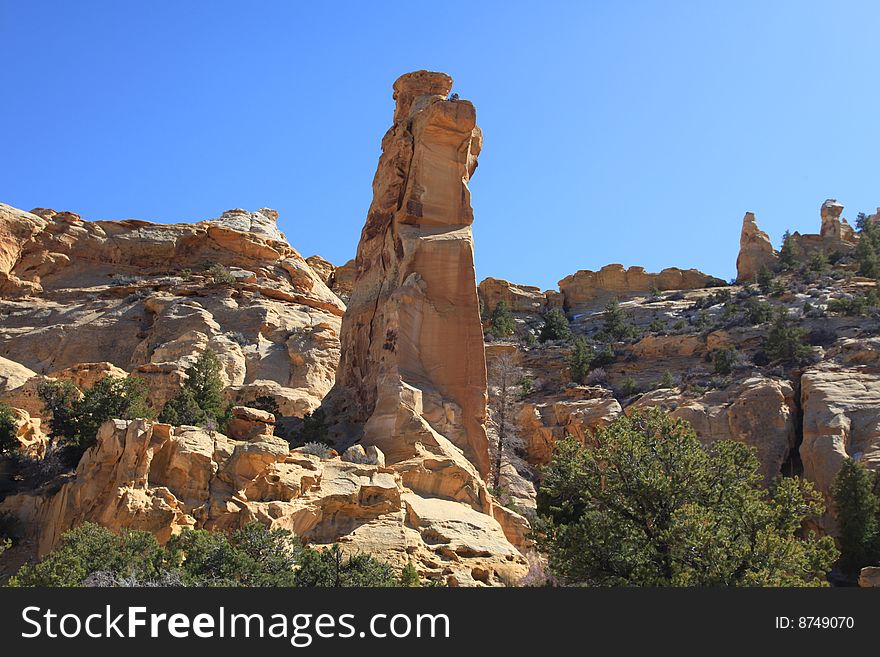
[(802, 419)]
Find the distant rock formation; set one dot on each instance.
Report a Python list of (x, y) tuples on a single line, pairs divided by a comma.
[(519, 298), (755, 250), (586, 288), (835, 235), (412, 365)]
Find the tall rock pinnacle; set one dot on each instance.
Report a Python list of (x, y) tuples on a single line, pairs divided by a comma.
[(413, 366)]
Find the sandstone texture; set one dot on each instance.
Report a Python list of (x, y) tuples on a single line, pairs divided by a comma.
[(412, 370), (146, 299), (755, 250), (163, 479), (841, 410), (587, 289)]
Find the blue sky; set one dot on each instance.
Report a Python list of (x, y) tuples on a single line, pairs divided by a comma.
[(635, 132)]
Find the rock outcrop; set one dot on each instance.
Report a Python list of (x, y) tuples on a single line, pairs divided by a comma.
[(588, 289), (519, 298), (162, 479), (836, 236), (148, 298), (755, 250), (841, 408), (412, 370)]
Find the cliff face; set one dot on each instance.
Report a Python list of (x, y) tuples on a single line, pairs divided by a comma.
[(148, 298), (412, 342)]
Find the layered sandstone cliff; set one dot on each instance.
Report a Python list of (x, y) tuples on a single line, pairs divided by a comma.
[(148, 298)]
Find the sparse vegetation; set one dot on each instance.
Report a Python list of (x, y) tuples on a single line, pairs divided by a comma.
[(616, 324), (657, 325), (725, 359), (8, 431), (313, 429), (503, 323), (77, 416), (788, 259), (667, 380), (220, 275), (201, 401), (251, 556), (764, 279), (644, 504), (580, 361), (555, 327), (629, 387), (321, 450), (786, 341), (868, 248), (854, 493), (504, 377), (757, 311)]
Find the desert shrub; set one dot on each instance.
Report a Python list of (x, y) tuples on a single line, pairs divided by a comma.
[(239, 338), (725, 360), (8, 430), (818, 263), (77, 416), (186, 273), (757, 311), (580, 361), (858, 514), (321, 450), (645, 504), (788, 258), (251, 556), (527, 338), (330, 568), (785, 341), (822, 337), (764, 279), (616, 322), (555, 327), (200, 402), (868, 248), (313, 430), (526, 386), (221, 275), (629, 387), (667, 380), (679, 325), (91, 548), (598, 376), (701, 319), (121, 280), (503, 324), (657, 326), (268, 404)]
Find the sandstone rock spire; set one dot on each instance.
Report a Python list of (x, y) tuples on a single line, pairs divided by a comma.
[(755, 250), (412, 365)]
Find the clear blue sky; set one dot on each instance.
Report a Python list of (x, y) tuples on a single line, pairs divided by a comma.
[(632, 132)]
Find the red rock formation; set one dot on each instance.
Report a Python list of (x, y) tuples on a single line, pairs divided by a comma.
[(412, 361)]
